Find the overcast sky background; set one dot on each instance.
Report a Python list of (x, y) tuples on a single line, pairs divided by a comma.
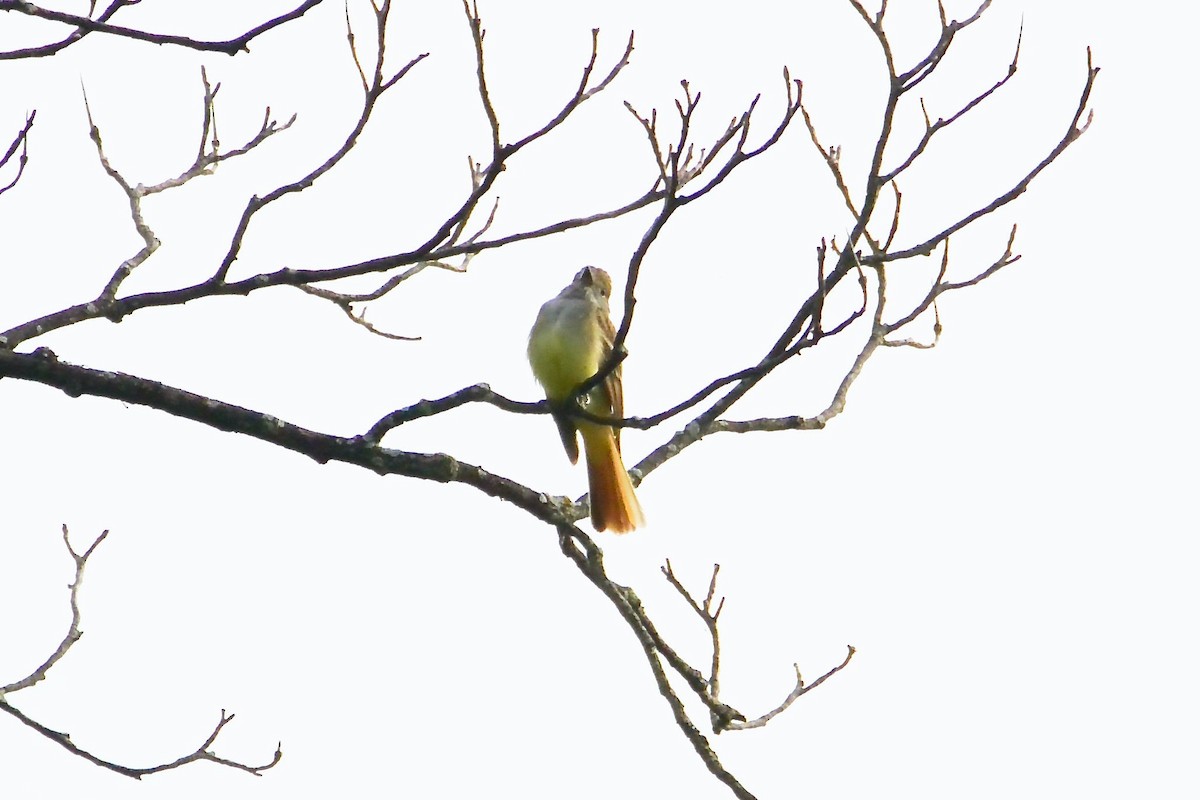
[(1003, 526)]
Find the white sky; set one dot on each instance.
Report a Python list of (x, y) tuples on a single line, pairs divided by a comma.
[(1003, 526)]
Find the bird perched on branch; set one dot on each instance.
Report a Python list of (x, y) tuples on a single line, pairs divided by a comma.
[(571, 341)]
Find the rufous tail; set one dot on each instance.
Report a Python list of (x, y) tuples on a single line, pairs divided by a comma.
[(614, 505)]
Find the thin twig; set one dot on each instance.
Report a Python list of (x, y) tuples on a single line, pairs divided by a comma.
[(74, 633), (21, 141), (202, 753), (795, 694)]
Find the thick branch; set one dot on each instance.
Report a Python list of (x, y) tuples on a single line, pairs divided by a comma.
[(42, 366)]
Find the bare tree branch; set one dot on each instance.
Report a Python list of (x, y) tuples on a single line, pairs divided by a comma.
[(725, 717), (206, 160), (673, 175), (42, 366), (442, 246), (479, 393), (795, 694), (372, 93), (86, 25), (358, 318), (21, 142), (70, 39), (590, 561), (124, 306), (74, 633), (931, 128), (202, 753), (483, 177), (1074, 131), (709, 421)]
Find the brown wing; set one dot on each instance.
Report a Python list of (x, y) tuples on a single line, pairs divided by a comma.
[(611, 387)]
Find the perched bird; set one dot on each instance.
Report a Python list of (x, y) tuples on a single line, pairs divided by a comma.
[(570, 341)]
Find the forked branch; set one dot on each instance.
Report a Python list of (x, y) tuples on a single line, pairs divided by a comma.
[(724, 717), (799, 331), (74, 633), (20, 142), (85, 25)]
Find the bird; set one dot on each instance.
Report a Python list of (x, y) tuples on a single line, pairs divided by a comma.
[(571, 339)]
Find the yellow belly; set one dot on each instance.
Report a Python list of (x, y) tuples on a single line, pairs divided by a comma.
[(563, 354)]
